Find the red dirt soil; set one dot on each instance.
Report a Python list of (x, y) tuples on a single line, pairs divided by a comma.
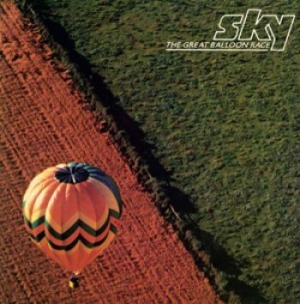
[(44, 123)]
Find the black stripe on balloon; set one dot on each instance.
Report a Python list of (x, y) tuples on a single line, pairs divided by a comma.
[(113, 228), (34, 224), (38, 237), (87, 228), (114, 214), (70, 246), (74, 243), (74, 227)]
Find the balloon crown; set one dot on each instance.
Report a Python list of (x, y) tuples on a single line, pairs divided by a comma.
[(72, 173)]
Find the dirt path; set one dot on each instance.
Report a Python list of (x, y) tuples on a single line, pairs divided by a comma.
[(43, 123)]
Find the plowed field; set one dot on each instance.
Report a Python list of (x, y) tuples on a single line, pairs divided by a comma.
[(44, 123)]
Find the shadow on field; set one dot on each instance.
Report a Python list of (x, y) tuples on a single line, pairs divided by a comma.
[(227, 267), (214, 254)]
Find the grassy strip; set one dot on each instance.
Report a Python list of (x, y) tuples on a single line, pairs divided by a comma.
[(120, 126)]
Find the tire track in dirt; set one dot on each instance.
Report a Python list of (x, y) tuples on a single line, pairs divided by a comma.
[(43, 123)]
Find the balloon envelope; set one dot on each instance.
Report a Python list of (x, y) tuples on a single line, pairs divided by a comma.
[(72, 212)]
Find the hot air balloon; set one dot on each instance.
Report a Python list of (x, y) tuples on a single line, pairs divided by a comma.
[(72, 213)]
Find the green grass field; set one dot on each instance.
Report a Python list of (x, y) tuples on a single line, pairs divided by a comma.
[(225, 126)]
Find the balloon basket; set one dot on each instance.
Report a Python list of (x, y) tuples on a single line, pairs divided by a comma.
[(74, 282)]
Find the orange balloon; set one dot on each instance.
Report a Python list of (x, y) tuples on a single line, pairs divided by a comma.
[(72, 213)]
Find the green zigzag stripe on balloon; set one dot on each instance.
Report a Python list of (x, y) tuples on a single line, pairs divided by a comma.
[(70, 246), (72, 229)]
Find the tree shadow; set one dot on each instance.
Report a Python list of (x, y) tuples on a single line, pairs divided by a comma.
[(229, 267), (111, 102), (181, 202)]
